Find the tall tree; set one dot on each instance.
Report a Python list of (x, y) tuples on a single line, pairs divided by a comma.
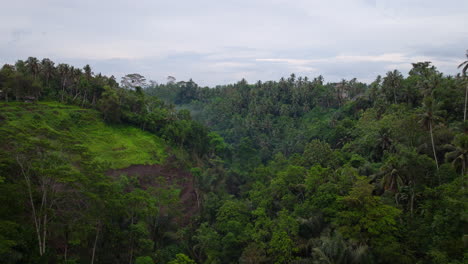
[(64, 71), (391, 85), (464, 66), (32, 64), (132, 81), (47, 69), (459, 153), (428, 119), (7, 79)]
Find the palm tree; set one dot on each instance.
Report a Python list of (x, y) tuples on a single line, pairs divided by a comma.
[(64, 70), (383, 143), (428, 118), (335, 249), (75, 77), (392, 179), (47, 68), (391, 84), (341, 91), (464, 65), (87, 71), (32, 64), (459, 153), (8, 72)]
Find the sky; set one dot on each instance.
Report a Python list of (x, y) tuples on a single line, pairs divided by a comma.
[(222, 41)]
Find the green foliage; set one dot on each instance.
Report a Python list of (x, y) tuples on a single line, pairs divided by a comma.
[(367, 220), (182, 259), (117, 146), (287, 171), (145, 260)]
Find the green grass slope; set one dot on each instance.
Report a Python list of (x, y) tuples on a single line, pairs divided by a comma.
[(115, 146)]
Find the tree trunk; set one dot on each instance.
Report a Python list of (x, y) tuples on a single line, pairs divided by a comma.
[(466, 96), (84, 98), (198, 198), (95, 243), (433, 147), (65, 254), (63, 90), (412, 202), (94, 98), (31, 201), (131, 242), (44, 230)]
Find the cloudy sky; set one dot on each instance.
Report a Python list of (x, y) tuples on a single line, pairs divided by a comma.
[(222, 41)]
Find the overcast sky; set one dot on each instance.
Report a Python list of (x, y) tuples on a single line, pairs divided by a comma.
[(223, 41)]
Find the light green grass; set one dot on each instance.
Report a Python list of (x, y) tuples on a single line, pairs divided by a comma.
[(116, 146), (121, 146)]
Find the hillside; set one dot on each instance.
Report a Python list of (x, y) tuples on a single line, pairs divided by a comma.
[(113, 146), (65, 148)]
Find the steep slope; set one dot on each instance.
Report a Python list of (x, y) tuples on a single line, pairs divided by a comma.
[(118, 149), (115, 146)]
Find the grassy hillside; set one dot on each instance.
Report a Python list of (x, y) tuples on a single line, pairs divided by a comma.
[(116, 146)]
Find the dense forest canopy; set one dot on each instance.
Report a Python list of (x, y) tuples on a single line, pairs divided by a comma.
[(297, 170)]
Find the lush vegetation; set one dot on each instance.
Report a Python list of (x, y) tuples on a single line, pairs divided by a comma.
[(117, 146), (290, 171)]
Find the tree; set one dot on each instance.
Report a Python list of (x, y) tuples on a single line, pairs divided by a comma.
[(335, 249), (427, 119), (188, 92), (132, 81), (367, 220), (181, 259), (426, 77), (64, 71), (32, 64), (7, 80), (459, 153), (47, 69), (171, 80), (318, 152), (44, 177), (392, 180), (139, 204), (374, 89), (384, 142), (391, 85), (464, 66), (109, 105), (87, 71), (148, 260)]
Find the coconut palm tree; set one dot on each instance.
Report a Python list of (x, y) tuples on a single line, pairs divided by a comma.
[(383, 143), (391, 179), (47, 69), (87, 71), (464, 66), (428, 119), (459, 153), (64, 71), (335, 249), (32, 65), (7, 72), (392, 84)]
